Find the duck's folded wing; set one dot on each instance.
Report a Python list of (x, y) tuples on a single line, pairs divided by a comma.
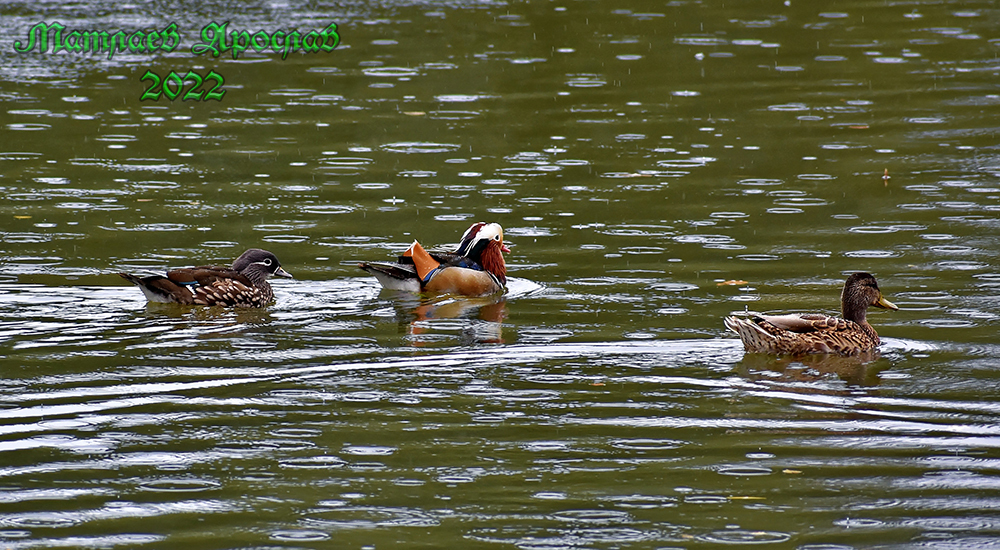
[(803, 323), (446, 259), (205, 275)]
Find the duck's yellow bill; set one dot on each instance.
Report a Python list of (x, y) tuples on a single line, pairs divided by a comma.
[(883, 303)]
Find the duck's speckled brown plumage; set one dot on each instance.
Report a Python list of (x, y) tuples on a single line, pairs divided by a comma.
[(242, 285), (816, 333)]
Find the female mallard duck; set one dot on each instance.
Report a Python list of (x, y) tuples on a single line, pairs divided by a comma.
[(817, 333), (242, 285)]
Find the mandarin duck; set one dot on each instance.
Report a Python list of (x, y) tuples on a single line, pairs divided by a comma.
[(475, 268), (798, 334), (242, 285)]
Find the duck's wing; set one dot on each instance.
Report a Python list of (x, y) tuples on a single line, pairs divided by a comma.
[(446, 259), (206, 275), (803, 323)]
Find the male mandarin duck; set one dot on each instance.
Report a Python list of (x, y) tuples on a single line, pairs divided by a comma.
[(798, 334), (242, 285), (475, 268)]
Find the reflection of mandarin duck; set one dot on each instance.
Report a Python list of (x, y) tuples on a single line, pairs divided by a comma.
[(242, 285), (480, 319), (475, 268), (814, 332)]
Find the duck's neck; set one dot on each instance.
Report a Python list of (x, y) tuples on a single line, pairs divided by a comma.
[(860, 316), (492, 261), (853, 305), (257, 276), (854, 314)]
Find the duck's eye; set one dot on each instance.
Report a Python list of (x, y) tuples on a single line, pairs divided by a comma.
[(267, 262), (496, 237)]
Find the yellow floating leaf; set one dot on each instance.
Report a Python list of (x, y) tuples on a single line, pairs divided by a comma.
[(787, 471), (414, 113), (732, 282), (745, 497), (598, 384), (143, 200), (22, 217)]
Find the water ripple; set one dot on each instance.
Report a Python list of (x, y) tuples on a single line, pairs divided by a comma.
[(410, 147)]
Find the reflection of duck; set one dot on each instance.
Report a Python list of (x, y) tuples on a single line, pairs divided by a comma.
[(475, 268), (792, 373), (427, 320), (483, 317), (814, 332), (247, 316), (242, 285)]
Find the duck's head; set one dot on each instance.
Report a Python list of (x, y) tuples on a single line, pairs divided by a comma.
[(259, 264), (483, 243), (861, 292), (478, 235)]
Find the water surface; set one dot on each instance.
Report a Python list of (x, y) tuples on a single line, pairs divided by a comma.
[(655, 168)]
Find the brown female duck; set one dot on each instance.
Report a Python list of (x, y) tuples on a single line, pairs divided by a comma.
[(798, 334), (242, 285)]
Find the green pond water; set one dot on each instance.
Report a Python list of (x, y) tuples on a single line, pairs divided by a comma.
[(656, 166)]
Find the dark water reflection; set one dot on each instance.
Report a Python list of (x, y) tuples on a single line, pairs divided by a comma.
[(655, 168), (860, 370)]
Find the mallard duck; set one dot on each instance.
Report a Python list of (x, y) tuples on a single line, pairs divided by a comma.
[(814, 332), (242, 285), (475, 268)]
